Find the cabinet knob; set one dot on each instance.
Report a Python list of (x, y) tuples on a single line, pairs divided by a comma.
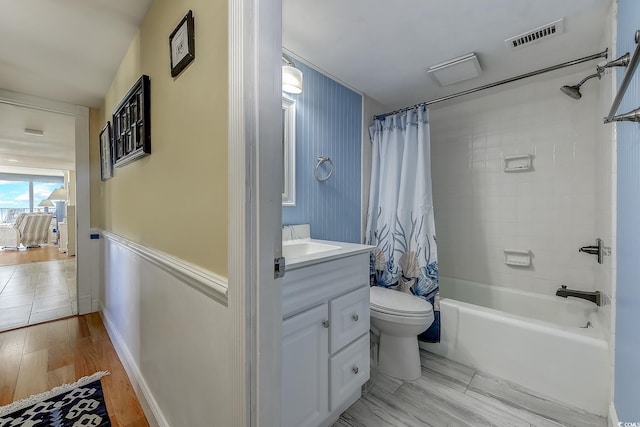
[(355, 370), (325, 323), (355, 317)]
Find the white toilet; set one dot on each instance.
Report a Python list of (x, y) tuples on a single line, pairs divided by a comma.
[(399, 318)]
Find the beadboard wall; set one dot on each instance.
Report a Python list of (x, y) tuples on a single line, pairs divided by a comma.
[(328, 124), (627, 295)]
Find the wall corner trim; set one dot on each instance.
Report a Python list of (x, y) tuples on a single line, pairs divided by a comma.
[(612, 419), (205, 281)]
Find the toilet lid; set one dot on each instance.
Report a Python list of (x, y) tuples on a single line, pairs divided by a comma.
[(392, 301)]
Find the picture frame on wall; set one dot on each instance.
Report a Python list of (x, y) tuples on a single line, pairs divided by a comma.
[(182, 45), (132, 124), (106, 159)]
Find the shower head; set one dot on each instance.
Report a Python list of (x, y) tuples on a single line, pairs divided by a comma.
[(574, 91)]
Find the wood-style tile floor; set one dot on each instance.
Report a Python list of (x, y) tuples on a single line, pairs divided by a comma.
[(449, 394), (37, 292), (37, 358)]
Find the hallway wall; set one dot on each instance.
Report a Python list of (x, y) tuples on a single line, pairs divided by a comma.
[(174, 200)]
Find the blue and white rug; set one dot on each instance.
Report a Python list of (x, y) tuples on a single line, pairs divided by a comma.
[(80, 404)]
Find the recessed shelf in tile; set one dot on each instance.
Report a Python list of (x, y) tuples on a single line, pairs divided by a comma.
[(519, 163)]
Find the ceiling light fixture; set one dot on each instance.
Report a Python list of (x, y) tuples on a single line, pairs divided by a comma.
[(33, 132), (13, 160), (291, 76)]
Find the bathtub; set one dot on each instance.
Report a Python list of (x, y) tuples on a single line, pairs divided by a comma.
[(536, 341)]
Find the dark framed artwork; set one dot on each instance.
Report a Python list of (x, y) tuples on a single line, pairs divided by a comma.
[(132, 124), (106, 159), (182, 49)]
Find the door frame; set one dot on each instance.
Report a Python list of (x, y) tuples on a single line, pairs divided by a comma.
[(83, 204), (255, 208)]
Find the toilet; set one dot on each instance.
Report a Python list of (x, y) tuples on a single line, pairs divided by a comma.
[(399, 318)]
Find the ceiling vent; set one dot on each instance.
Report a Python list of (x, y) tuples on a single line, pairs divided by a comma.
[(534, 36)]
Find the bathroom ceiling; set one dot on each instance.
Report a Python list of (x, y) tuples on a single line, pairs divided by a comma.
[(66, 50), (384, 49)]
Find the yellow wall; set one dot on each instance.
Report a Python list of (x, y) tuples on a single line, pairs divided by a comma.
[(174, 200)]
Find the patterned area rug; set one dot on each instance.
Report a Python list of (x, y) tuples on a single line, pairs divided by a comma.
[(80, 404)]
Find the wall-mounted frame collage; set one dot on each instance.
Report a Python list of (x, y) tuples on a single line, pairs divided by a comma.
[(132, 124)]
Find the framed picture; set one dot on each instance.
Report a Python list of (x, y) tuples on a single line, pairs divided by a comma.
[(106, 163), (132, 124), (182, 48)]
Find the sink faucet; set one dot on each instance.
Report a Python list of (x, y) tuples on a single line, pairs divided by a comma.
[(594, 297)]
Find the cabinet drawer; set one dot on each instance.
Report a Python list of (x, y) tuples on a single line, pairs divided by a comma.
[(349, 316), (349, 369)]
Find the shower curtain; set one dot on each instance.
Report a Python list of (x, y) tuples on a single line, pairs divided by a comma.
[(400, 218)]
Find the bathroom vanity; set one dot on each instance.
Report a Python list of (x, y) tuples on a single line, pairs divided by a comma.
[(325, 343)]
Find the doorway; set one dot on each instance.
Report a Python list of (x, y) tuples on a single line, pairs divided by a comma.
[(45, 278)]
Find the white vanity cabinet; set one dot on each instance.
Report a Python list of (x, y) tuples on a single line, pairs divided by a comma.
[(325, 354)]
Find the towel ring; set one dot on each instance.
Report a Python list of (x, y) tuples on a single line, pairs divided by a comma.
[(322, 160)]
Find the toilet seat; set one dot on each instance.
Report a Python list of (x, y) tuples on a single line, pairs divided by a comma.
[(395, 303)]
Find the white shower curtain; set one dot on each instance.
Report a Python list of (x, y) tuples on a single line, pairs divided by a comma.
[(400, 219)]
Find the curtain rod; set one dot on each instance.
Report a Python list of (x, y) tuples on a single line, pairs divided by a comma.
[(625, 81), (602, 54)]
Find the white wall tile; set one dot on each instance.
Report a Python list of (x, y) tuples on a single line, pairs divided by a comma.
[(562, 204)]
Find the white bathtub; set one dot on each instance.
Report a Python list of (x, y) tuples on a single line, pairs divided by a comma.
[(530, 339)]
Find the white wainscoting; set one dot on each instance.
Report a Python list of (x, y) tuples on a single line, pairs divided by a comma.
[(169, 323)]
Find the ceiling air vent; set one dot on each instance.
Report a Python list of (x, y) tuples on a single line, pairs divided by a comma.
[(532, 37)]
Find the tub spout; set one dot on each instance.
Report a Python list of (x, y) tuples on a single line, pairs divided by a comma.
[(594, 297)]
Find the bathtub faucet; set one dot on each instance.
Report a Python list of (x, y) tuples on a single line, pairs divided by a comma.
[(594, 297)]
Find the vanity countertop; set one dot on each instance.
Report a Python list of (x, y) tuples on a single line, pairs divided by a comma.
[(343, 249)]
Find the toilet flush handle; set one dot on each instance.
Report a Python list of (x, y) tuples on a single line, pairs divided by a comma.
[(355, 317)]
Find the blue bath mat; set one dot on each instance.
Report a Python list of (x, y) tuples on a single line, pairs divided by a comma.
[(80, 404)]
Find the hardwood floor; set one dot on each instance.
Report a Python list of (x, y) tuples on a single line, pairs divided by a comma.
[(37, 358), (47, 252)]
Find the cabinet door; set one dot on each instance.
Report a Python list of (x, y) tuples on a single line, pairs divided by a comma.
[(305, 368)]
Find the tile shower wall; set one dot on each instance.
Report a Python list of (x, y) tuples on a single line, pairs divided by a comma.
[(480, 210), (328, 124), (605, 187), (627, 295)]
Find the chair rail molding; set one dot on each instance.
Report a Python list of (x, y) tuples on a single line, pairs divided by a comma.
[(205, 281)]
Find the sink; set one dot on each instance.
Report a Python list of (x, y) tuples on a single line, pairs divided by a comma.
[(294, 249)]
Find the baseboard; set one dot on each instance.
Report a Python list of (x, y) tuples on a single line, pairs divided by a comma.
[(149, 405), (85, 305), (613, 416)]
